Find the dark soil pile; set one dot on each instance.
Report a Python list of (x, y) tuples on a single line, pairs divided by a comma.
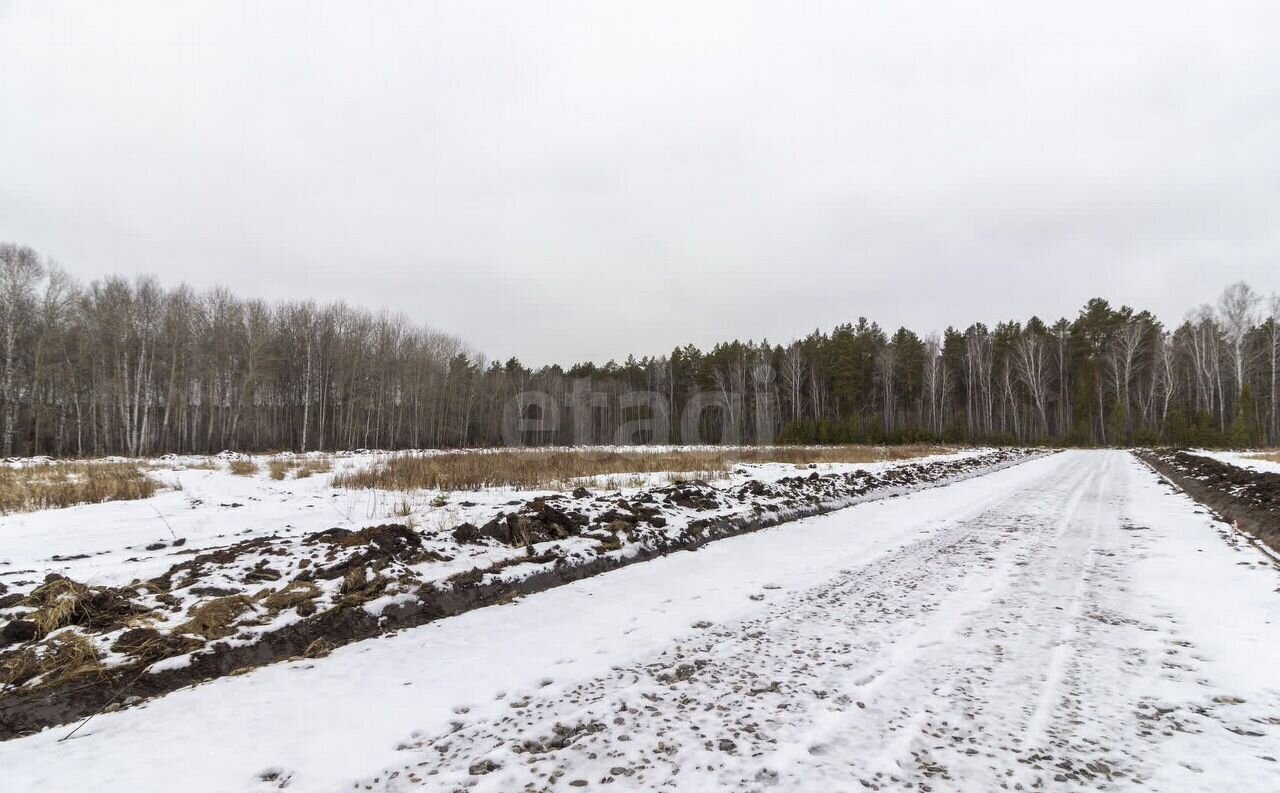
[(68, 649), (1248, 499)]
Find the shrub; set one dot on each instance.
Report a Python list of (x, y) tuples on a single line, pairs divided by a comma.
[(243, 467)]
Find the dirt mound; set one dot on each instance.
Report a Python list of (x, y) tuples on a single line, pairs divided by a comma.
[(537, 521), (221, 607), (1249, 499), (149, 644), (60, 602), (695, 495), (18, 631), (376, 547), (392, 539), (58, 660)]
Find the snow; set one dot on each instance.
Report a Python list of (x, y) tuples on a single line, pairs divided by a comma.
[(1067, 610), (1242, 459), (269, 550), (105, 544)]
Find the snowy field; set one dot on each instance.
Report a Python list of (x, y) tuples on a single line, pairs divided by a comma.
[(135, 616), (1065, 624), (1249, 460), (205, 507)]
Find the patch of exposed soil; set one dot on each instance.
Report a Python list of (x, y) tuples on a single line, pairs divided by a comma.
[(1248, 499), (68, 649)]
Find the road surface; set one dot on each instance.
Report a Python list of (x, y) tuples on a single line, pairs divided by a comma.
[(1067, 624)]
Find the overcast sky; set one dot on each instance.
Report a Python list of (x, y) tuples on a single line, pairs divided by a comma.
[(563, 180)]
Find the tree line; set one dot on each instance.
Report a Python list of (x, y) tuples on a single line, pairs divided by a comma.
[(122, 366)]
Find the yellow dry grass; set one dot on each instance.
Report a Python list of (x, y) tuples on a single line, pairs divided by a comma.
[(321, 465), (60, 602), (554, 469), (1271, 457), (58, 485), (70, 655), (318, 649), (279, 467), (243, 467), (56, 603), (19, 667), (213, 618), (59, 659), (293, 595)]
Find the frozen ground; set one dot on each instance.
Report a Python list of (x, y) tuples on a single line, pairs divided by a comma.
[(1064, 624), (106, 544), (235, 572)]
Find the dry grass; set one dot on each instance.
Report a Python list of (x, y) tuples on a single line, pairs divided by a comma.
[(296, 595), (549, 470), (70, 655), (19, 667), (56, 603), (59, 485), (213, 618), (60, 602), (243, 467), (804, 455), (1271, 457), (319, 648), (280, 467), (62, 658), (322, 465)]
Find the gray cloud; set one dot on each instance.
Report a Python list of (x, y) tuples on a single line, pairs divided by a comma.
[(577, 180)]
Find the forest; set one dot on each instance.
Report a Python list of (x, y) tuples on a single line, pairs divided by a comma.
[(131, 367)]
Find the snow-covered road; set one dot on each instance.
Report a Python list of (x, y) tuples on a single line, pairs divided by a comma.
[(1065, 624)]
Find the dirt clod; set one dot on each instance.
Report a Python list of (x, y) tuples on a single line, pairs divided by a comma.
[(17, 631)]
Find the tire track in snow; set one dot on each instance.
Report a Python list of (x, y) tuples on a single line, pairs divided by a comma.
[(1001, 650), (894, 622)]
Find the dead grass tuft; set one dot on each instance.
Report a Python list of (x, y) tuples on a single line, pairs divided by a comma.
[(56, 603), (19, 667), (297, 595), (318, 649), (550, 470), (213, 618), (60, 602), (70, 655), (58, 660), (314, 465), (59, 485), (243, 467), (149, 644), (357, 588), (1271, 457), (280, 467), (354, 581)]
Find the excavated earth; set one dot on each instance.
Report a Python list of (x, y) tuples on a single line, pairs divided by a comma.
[(1248, 499), (69, 649)]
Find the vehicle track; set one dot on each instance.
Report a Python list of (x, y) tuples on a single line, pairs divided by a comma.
[(1002, 651)]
